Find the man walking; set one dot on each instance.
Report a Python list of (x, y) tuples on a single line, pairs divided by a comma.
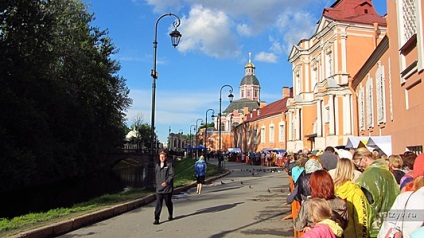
[(164, 186), (200, 170)]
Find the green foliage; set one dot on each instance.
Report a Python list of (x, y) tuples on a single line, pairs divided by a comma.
[(61, 98), (184, 171)]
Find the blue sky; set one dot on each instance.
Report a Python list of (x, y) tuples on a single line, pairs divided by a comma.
[(217, 36)]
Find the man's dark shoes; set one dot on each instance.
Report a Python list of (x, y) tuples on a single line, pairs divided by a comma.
[(156, 222), (170, 218)]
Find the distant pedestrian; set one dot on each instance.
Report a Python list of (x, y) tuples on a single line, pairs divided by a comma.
[(200, 170), (164, 186)]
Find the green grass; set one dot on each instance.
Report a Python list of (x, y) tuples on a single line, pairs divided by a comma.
[(184, 174), (184, 171)]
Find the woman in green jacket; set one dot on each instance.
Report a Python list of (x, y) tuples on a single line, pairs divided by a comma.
[(379, 186), (357, 204)]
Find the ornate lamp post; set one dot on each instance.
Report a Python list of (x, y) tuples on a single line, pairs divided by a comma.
[(195, 137), (230, 97), (191, 139), (175, 39), (199, 119), (206, 127), (191, 135)]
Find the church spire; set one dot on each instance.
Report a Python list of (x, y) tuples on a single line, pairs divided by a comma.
[(249, 69)]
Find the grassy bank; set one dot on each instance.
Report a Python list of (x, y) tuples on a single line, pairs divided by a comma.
[(184, 174)]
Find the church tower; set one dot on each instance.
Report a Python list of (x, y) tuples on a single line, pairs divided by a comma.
[(249, 85)]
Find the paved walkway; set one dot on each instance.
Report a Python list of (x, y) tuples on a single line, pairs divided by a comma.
[(247, 202)]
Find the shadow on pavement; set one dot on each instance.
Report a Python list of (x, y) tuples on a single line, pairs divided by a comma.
[(209, 210)]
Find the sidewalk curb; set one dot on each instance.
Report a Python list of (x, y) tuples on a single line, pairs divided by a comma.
[(91, 218)]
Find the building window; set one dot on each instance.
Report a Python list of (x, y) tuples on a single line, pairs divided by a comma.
[(255, 136), (381, 96), (314, 77), (328, 62), (408, 25), (361, 109), (297, 88), (271, 133), (263, 135), (281, 133), (417, 149), (369, 103), (242, 93)]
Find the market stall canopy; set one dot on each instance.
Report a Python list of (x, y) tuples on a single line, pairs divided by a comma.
[(234, 150), (356, 142), (382, 143)]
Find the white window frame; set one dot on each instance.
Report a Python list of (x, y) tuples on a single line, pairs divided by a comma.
[(281, 132), (370, 102), (361, 109), (381, 95), (271, 133), (263, 134)]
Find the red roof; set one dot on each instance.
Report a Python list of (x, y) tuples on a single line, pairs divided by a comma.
[(359, 11), (271, 109)]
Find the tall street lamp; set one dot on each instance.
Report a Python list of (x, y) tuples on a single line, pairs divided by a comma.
[(191, 134), (230, 97), (175, 39), (205, 140), (191, 139), (195, 137), (199, 119)]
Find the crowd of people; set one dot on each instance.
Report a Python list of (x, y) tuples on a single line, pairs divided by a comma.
[(355, 193)]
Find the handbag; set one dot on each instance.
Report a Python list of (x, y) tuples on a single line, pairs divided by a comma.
[(396, 232)]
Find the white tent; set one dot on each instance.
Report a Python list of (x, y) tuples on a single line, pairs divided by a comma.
[(234, 150), (354, 141), (383, 143)]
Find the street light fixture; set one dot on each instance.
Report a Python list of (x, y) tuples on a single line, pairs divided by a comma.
[(175, 39), (191, 138), (191, 134), (205, 140), (197, 129), (230, 97)]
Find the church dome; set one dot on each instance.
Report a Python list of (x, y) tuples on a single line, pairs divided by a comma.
[(249, 65), (241, 104), (249, 80)]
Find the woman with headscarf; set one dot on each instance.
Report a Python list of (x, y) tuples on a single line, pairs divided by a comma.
[(304, 190)]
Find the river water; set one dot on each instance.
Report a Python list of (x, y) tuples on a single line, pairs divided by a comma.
[(125, 174)]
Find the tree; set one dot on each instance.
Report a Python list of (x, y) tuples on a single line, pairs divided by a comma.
[(62, 101)]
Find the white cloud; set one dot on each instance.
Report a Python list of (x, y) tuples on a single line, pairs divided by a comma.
[(208, 32), (217, 28), (163, 6), (170, 106), (244, 29), (266, 57), (295, 26)]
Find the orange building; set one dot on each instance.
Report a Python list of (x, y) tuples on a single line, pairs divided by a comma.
[(389, 86), (321, 112), (264, 127)]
